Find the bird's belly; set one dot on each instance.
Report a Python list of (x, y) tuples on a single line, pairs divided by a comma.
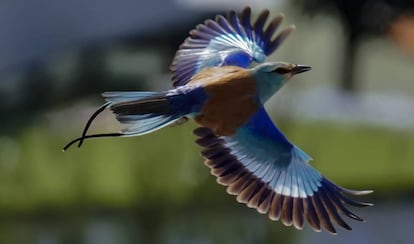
[(228, 107)]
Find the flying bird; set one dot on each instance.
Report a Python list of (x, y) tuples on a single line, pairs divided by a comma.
[(217, 85)]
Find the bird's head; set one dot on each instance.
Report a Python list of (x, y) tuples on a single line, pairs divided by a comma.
[(270, 77)]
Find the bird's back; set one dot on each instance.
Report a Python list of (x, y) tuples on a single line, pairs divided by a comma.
[(232, 98)]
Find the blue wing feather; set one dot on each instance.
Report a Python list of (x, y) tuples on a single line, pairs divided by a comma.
[(234, 21), (267, 172), (261, 125), (231, 40), (245, 20)]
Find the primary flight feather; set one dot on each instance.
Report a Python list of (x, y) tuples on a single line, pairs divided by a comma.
[(215, 86)]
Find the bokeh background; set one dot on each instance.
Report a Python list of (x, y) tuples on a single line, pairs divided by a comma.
[(354, 113)]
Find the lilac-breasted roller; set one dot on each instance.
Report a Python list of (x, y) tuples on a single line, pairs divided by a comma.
[(216, 86)]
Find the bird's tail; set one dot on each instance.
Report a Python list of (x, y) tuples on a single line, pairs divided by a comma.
[(142, 112)]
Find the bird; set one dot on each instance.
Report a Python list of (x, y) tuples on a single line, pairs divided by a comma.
[(222, 82)]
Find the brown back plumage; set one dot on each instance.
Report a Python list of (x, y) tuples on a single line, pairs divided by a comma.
[(231, 98)]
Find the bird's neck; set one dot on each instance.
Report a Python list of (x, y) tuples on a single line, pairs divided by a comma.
[(267, 86)]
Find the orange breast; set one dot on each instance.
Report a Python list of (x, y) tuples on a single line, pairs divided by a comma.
[(231, 100)]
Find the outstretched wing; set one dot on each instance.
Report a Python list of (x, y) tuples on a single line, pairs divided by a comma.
[(267, 172), (231, 40)]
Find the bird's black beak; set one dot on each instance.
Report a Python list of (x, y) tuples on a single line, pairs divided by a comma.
[(300, 68)]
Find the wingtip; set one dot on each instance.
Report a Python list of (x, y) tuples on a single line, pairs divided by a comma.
[(265, 11), (356, 192), (247, 8), (280, 16), (365, 192), (291, 27)]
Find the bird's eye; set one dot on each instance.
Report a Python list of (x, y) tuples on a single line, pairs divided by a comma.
[(281, 70)]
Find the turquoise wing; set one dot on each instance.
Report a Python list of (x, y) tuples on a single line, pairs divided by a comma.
[(267, 172), (231, 40)]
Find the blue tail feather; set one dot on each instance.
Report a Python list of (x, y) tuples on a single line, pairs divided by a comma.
[(142, 112), (126, 96), (145, 126), (145, 112)]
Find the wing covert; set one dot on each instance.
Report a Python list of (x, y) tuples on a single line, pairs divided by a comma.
[(270, 174), (231, 40)]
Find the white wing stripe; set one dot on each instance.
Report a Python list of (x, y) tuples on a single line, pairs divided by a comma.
[(290, 191)]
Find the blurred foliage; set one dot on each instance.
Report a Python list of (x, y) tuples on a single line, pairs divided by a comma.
[(74, 75), (164, 168), (155, 188)]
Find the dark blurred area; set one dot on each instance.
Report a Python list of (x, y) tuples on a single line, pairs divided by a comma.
[(53, 52), (360, 19), (354, 114)]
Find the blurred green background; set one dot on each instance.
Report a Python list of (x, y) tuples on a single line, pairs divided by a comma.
[(353, 113)]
